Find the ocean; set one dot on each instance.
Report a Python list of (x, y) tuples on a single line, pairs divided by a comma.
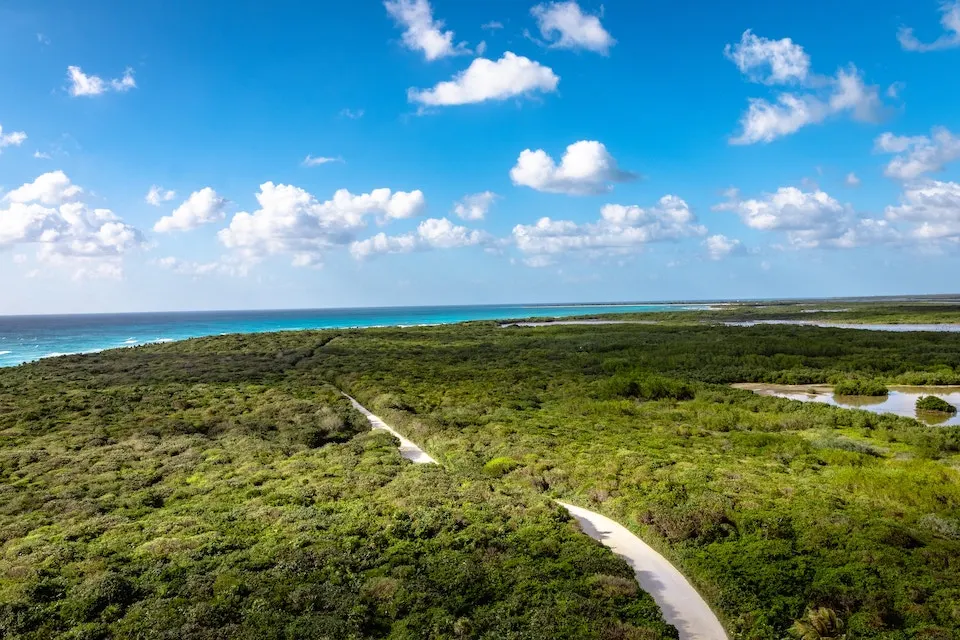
[(28, 338)]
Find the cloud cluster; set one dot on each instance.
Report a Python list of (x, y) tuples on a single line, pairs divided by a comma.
[(769, 61), (951, 24), (783, 62), (200, 208), (12, 139), (474, 206), (292, 221), (563, 25), (509, 77), (433, 233), (585, 168), (620, 230), (83, 85), (918, 154), (933, 207), (157, 195), (720, 246), (808, 219), (47, 213), (421, 31)]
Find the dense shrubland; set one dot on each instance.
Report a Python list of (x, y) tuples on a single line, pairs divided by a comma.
[(935, 405), (858, 387), (137, 501), (789, 517)]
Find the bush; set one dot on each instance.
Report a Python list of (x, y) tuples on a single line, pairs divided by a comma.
[(933, 403), (858, 387), (500, 466), (648, 387)]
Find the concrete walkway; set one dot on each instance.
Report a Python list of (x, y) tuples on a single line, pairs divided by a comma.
[(680, 603)]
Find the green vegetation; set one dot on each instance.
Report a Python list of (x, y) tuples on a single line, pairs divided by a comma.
[(145, 496), (220, 488), (935, 404), (857, 387)]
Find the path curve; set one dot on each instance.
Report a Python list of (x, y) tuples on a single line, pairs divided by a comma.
[(680, 603), (408, 450)]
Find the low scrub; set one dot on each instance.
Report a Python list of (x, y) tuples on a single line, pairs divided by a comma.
[(935, 405), (858, 387)]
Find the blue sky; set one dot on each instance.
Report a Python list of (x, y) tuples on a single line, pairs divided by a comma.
[(752, 150)]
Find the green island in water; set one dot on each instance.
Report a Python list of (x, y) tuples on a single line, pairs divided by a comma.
[(224, 487)]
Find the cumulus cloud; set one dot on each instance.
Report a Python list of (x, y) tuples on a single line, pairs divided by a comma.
[(720, 247), (47, 213), (783, 62), (918, 154), (474, 206), (933, 207), (620, 230), (510, 76), (565, 26), (586, 168), (769, 61), (950, 20), (157, 194), (200, 208), (852, 180), (291, 220), (316, 161), (433, 233), (40, 155), (83, 85), (808, 219), (421, 31), (12, 139)]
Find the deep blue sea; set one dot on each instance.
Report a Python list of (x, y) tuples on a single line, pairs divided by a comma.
[(27, 338)]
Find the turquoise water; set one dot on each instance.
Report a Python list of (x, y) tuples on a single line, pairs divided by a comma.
[(27, 338)]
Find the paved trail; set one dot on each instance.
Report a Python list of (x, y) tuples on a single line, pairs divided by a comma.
[(680, 603), (408, 450)]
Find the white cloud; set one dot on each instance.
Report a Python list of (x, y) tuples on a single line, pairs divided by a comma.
[(474, 206), (433, 233), (156, 195), (779, 62), (42, 39), (720, 247), (565, 26), (493, 25), (620, 230), (49, 189), (421, 31), (852, 180), (200, 208), (508, 77), (311, 161), (40, 155), (951, 24), (586, 168), (808, 219), (933, 206), (47, 213), (12, 139), (352, 114), (291, 220), (769, 61), (83, 85), (919, 154), (765, 122)]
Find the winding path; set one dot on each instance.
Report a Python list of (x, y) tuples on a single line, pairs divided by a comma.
[(680, 603)]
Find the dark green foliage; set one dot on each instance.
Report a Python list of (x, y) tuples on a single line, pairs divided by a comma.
[(935, 404), (858, 387), (221, 509)]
